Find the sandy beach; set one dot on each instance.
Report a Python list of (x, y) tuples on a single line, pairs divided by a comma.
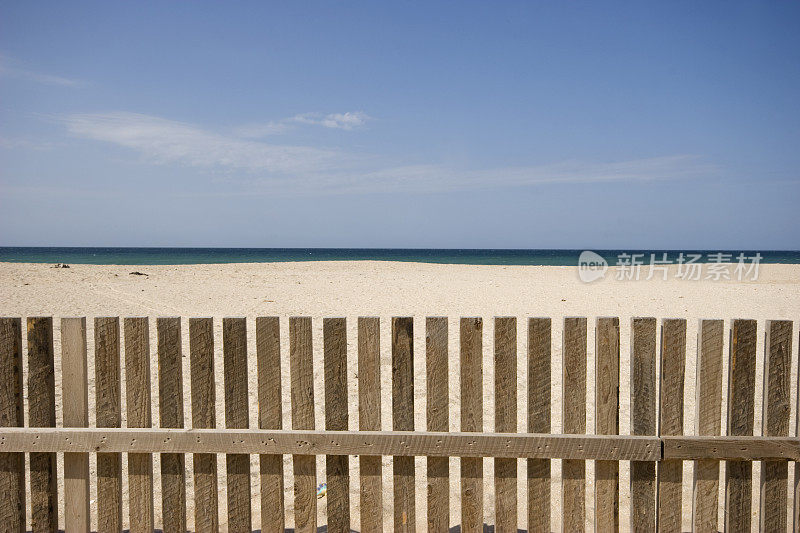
[(386, 289)]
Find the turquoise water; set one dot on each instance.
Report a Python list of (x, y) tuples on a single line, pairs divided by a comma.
[(192, 256)]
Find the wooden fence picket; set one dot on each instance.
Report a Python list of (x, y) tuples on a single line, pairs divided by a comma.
[(472, 420), (709, 419), (137, 398), (644, 420), (337, 467), (305, 466), (606, 501), (12, 464), (170, 412), (108, 408), (268, 355), (573, 471), (437, 419), (201, 368), (539, 361), (369, 419), (505, 421), (42, 413), (403, 420), (741, 398)]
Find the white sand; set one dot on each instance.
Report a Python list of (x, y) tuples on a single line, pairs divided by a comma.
[(386, 289)]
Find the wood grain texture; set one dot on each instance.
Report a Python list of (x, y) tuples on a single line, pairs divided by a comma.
[(403, 420), (268, 355), (505, 420), (643, 420), (775, 422), (670, 472), (305, 466), (42, 413), (170, 410), (400, 443), (337, 467), (705, 494), (234, 348), (369, 419), (471, 335), (137, 399), (75, 404), (741, 398), (796, 488), (539, 383), (108, 408), (201, 368), (437, 419), (573, 472), (12, 465), (606, 499)]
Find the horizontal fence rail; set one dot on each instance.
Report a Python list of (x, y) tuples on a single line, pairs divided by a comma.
[(656, 449)]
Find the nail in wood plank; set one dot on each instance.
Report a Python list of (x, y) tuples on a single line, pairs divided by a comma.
[(403, 420), (268, 355), (539, 362), (337, 467), (137, 399), (775, 422), (505, 421), (709, 416), (170, 409), (471, 420), (12, 465), (201, 367), (305, 466), (42, 413), (437, 419), (573, 471), (606, 499), (75, 404)]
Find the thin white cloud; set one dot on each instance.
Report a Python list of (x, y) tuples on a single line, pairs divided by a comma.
[(342, 121), (10, 70), (259, 166)]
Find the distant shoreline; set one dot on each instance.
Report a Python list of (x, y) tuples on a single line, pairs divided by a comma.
[(508, 257)]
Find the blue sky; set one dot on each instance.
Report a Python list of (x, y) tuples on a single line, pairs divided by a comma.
[(376, 124)]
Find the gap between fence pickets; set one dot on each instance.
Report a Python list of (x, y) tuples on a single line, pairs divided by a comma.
[(398, 443)]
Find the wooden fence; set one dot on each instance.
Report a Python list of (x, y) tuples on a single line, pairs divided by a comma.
[(656, 449)]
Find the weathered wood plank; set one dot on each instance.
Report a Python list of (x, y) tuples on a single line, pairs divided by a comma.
[(709, 416), (108, 409), (137, 398), (741, 398), (643, 421), (75, 405), (305, 466), (796, 488), (606, 499), (539, 361), (337, 467), (670, 472), (574, 470), (505, 420), (403, 420), (775, 422), (270, 397), (731, 448), (437, 419), (369, 419), (42, 413), (471, 420), (170, 410), (201, 367), (401, 443), (234, 348), (12, 465)]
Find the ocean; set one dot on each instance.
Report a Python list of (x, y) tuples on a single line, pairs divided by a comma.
[(193, 256)]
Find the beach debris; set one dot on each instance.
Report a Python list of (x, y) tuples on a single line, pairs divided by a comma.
[(322, 490), (137, 273), (61, 265)]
